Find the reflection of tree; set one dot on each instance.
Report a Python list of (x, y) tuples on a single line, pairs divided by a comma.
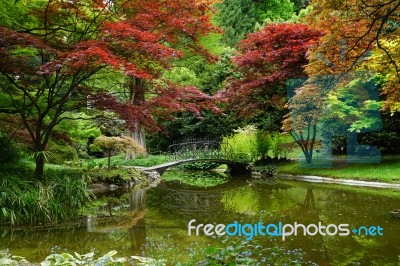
[(310, 207), (256, 197), (356, 208), (309, 201), (305, 212), (128, 225), (137, 200), (244, 200), (125, 232), (138, 236)]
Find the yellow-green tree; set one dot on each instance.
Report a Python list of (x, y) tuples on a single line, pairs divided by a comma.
[(113, 144)]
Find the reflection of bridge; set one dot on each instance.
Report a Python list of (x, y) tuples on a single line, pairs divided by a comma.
[(200, 150), (194, 200)]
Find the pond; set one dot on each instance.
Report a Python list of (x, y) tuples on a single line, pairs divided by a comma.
[(153, 222)]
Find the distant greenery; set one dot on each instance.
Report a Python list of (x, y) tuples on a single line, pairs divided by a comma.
[(61, 152), (387, 171), (240, 17), (242, 146)]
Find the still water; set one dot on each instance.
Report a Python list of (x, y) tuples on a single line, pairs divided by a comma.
[(153, 222)]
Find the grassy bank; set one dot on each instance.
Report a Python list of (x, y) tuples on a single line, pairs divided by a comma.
[(58, 196), (26, 200), (387, 171), (119, 160)]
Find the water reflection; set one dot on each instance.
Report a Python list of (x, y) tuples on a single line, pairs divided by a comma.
[(193, 200), (129, 222)]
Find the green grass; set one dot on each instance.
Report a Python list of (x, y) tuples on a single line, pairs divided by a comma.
[(119, 160), (27, 200), (25, 169), (386, 171)]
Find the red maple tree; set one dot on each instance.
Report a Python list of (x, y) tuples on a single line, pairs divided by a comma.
[(267, 59), (48, 67)]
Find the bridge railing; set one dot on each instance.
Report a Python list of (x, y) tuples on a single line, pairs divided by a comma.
[(202, 149)]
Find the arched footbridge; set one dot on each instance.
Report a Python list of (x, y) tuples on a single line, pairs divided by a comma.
[(195, 150)]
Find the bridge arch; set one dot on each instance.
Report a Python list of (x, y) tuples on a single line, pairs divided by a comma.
[(200, 150), (235, 167)]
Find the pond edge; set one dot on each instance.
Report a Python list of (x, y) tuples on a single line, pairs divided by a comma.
[(328, 180)]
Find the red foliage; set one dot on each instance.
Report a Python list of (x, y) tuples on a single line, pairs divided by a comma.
[(168, 101), (70, 44), (132, 115), (268, 59), (172, 99), (151, 34), (172, 21)]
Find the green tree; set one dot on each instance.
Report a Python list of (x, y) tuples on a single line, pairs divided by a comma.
[(239, 17), (306, 108), (300, 4)]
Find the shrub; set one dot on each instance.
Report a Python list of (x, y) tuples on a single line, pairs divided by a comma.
[(249, 144), (61, 152), (8, 153), (263, 142), (242, 146)]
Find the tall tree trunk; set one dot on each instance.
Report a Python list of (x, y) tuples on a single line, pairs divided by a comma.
[(137, 87), (139, 136), (39, 150), (308, 155), (39, 169), (109, 160), (351, 143)]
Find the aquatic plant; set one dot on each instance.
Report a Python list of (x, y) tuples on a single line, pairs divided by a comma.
[(88, 259)]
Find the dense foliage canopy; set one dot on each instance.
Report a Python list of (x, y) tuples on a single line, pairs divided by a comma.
[(74, 70)]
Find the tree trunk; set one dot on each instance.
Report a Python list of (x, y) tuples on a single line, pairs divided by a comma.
[(38, 152), (109, 160), (140, 138), (137, 88), (308, 155), (351, 143), (39, 169)]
